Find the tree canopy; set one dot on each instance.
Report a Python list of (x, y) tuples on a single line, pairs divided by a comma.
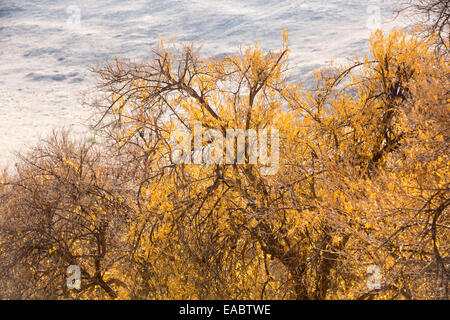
[(362, 181)]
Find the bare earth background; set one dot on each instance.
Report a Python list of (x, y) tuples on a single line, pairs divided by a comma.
[(47, 46)]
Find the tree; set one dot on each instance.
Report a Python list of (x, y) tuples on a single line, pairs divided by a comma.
[(362, 181), (434, 19)]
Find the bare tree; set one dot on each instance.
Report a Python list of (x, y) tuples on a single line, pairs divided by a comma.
[(434, 17)]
